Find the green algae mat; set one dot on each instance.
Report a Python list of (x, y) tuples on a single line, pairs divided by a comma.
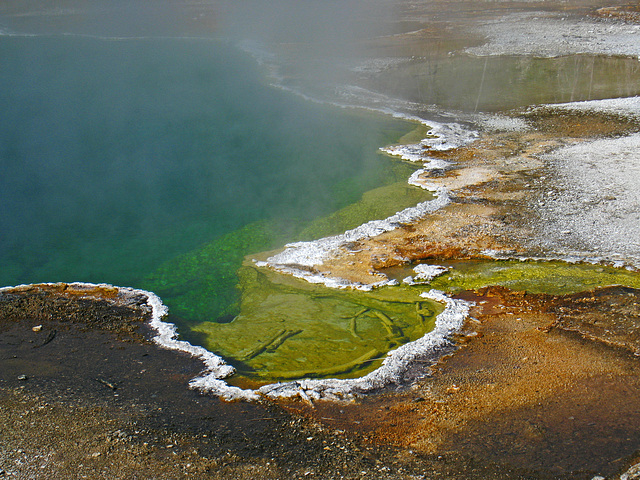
[(287, 328), (550, 277)]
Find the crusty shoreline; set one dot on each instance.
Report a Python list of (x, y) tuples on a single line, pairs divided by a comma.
[(540, 387), (100, 400)]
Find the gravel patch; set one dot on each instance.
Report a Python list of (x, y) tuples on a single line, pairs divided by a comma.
[(546, 34), (589, 201)]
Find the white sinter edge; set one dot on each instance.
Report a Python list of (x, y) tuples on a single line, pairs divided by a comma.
[(296, 256), (424, 273), (632, 473), (309, 254), (211, 380)]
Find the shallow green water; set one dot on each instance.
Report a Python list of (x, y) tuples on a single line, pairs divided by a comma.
[(273, 326), (548, 277), (502, 82), (200, 285), (287, 328), (554, 278)]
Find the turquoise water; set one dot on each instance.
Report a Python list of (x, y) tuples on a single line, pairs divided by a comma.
[(117, 156)]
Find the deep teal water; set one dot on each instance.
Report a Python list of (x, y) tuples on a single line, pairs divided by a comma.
[(118, 155)]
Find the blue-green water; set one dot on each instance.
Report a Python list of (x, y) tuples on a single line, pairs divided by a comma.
[(118, 156)]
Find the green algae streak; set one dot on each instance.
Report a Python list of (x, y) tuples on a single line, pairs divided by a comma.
[(288, 328), (550, 277), (378, 203), (260, 321), (201, 285)]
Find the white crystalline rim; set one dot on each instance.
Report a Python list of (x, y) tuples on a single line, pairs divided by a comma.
[(297, 255), (424, 273), (300, 254), (415, 153), (429, 272), (216, 369), (631, 473)]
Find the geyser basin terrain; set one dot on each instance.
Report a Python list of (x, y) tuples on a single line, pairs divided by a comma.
[(547, 384)]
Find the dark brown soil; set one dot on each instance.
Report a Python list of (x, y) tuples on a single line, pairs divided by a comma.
[(87, 395)]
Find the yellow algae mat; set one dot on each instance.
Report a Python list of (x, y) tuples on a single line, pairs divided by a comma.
[(288, 328)]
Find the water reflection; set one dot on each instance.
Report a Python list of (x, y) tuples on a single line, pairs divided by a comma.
[(498, 83)]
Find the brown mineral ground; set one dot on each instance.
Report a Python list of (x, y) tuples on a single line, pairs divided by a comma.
[(523, 391), (628, 13), (492, 182)]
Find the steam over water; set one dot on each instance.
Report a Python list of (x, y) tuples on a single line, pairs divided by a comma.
[(117, 155)]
